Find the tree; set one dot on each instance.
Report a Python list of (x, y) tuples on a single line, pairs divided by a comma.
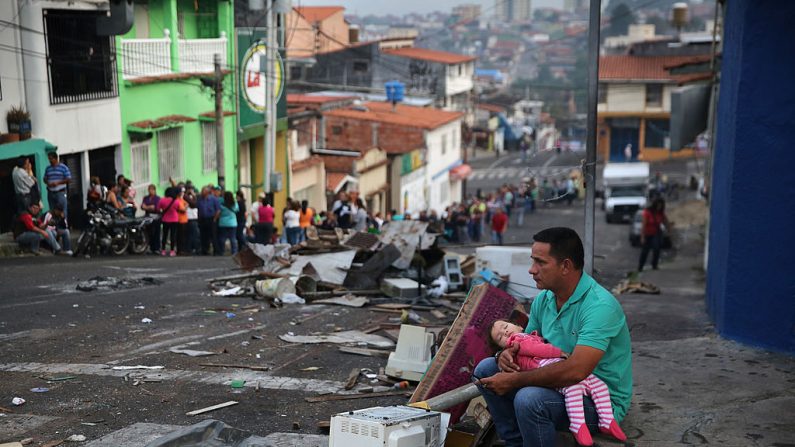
[(620, 19)]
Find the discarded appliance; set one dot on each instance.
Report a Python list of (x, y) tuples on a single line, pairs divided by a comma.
[(412, 355), (397, 426), (512, 261), (401, 287), (452, 269)]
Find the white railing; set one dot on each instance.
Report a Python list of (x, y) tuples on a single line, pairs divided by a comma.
[(146, 57), (196, 55)]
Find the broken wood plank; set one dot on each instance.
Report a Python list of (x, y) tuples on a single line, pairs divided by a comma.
[(6, 410), (331, 397), (214, 407), (227, 365), (388, 311), (352, 378), (438, 314), (323, 425), (364, 351), (393, 306)]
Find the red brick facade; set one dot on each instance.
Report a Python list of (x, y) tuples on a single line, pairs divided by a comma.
[(350, 133)]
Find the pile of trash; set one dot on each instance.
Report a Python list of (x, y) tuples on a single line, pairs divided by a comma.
[(402, 262)]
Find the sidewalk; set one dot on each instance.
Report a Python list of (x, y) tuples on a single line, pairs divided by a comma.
[(692, 386)]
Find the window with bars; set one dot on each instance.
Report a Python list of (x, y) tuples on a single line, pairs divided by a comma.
[(81, 65), (169, 154), (208, 145), (139, 163)]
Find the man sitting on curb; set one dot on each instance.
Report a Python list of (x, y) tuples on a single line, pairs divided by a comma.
[(576, 314), (55, 222), (29, 235)]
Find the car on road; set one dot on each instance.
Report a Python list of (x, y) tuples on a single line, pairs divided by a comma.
[(637, 226)]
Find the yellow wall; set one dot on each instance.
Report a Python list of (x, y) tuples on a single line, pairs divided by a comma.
[(313, 177)]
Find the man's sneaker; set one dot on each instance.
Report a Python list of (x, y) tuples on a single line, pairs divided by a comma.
[(173, 253), (67, 253)]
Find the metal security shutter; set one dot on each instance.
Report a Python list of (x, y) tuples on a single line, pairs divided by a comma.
[(208, 153), (169, 154), (140, 175)]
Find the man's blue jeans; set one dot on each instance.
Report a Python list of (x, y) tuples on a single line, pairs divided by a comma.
[(58, 198), (529, 416)]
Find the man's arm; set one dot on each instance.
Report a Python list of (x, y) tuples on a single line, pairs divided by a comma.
[(577, 367)]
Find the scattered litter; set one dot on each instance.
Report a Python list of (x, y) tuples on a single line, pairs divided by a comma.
[(274, 288), (39, 390), (345, 300), (146, 320), (402, 385), (76, 438), (245, 343), (57, 379), (629, 286), (238, 383), (224, 365), (291, 298), (230, 315), (311, 368), (75, 305), (332, 397), (128, 368), (353, 377), (438, 287), (228, 292), (114, 283), (17, 401), (139, 307), (190, 352), (214, 407), (407, 316), (364, 351), (357, 337)]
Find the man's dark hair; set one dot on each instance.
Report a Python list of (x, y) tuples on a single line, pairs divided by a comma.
[(21, 161), (564, 243), (52, 155)]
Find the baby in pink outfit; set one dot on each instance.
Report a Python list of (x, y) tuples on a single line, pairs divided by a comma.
[(534, 352)]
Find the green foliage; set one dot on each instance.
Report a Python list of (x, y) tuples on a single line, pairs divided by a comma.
[(621, 16)]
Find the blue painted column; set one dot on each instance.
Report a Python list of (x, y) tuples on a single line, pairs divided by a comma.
[(751, 273)]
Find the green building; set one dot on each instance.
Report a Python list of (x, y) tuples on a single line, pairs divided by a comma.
[(166, 95)]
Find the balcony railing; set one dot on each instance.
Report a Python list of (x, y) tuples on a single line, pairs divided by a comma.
[(196, 55), (146, 57), (152, 57)]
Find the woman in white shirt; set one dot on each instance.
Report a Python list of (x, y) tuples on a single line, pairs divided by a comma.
[(292, 226)]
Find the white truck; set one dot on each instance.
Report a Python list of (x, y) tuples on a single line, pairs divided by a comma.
[(626, 189)]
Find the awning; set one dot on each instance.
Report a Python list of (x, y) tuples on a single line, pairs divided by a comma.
[(460, 172)]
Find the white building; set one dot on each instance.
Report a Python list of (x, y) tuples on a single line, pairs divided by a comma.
[(55, 65)]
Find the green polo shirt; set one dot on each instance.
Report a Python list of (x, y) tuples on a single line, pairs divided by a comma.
[(591, 317)]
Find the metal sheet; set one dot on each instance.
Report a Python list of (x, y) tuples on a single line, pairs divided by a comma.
[(331, 267)]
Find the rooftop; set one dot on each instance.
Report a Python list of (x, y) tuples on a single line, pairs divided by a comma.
[(419, 117), (643, 68), (317, 13), (425, 54)]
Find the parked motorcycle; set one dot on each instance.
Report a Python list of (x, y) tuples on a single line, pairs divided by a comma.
[(108, 232)]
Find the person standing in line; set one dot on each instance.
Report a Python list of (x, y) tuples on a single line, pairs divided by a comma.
[(499, 223), (208, 210), (182, 223), (263, 231), (168, 208), (361, 215), (652, 233), (292, 226), (306, 218), (507, 200), (57, 177), (227, 224), (193, 246), (24, 183), (149, 205), (241, 215)]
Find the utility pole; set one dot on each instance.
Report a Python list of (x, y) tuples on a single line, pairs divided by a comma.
[(590, 153), (219, 121)]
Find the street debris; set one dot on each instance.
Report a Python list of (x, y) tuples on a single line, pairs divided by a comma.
[(633, 286), (39, 390), (76, 438), (146, 320), (215, 433), (311, 368), (364, 351), (17, 401), (237, 383), (345, 300), (190, 352), (129, 368), (115, 283), (354, 337), (214, 407), (291, 298), (224, 365), (333, 397)]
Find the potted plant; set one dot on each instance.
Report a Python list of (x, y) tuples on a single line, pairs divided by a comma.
[(18, 120)]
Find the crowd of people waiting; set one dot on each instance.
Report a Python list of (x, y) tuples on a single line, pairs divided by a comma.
[(200, 221)]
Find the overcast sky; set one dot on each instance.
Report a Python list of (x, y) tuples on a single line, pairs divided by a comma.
[(400, 7)]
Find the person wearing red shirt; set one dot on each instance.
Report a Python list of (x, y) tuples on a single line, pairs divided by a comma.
[(651, 234), (263, 230), (499, 223), (29, 234)]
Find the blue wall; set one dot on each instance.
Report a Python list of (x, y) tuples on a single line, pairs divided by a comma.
[(751, 277)]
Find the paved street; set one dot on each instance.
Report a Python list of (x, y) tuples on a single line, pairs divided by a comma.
[(50, 330)]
